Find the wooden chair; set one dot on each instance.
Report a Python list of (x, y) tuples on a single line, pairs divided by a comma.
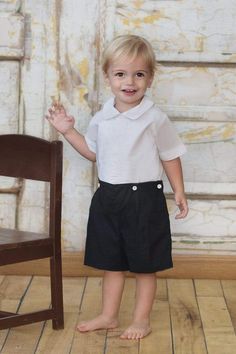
[(33, 158)]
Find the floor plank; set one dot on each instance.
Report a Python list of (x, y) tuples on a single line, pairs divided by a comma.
[(193, 316), (24, 339), (217, 324), (229, 288), (12, 289), (188, 336), (159, 341), (208, 287), (116, 345), (59, 342), (94, 342)]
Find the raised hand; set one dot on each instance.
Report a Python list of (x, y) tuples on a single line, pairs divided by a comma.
[(59, 119)]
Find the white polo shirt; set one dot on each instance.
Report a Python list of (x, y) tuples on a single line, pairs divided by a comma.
[(129, 146)]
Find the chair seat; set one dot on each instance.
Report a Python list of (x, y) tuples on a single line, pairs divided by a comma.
[(14, 238), (20, 246)]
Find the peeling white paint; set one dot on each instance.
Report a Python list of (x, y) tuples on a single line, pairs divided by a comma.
[(7, 210), (11, 35), (9, 93), (11, 6), (182, 30)]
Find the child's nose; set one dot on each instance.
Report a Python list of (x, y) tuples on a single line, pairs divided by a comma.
[(130, 79)]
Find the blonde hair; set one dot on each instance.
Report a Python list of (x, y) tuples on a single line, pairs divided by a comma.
[(129, 46)]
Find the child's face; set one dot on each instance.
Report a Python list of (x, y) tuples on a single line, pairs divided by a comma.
[(129, 81)]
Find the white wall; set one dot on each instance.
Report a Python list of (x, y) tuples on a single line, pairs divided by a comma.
[(53, 49)]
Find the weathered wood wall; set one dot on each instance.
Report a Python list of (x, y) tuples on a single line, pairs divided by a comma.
[(53, 48)]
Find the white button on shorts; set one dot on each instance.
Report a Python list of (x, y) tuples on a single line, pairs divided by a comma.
[(134, 188), (159, 186)]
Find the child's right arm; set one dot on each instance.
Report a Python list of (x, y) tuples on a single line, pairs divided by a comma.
[(64, 124)]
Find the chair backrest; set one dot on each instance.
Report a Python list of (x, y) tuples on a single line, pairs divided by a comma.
[(27, 156), (33, 158)]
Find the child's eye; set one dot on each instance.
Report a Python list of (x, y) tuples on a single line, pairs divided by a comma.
[(139, 74), (119, 74)]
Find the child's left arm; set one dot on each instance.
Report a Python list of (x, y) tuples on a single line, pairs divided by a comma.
[(173, 170)]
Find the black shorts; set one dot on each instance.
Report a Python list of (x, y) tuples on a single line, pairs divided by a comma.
[(129, 228)]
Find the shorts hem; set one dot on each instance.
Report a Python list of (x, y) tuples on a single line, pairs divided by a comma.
[(102, 267), (153, 270), (120, 269)]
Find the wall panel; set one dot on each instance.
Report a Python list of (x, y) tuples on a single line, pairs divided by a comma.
[(195, 85), (53, 49)]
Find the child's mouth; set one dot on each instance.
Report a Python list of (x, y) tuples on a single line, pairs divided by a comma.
[(129, 92)]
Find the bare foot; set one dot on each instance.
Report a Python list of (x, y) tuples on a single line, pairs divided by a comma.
[(99, 322), (136, 331)]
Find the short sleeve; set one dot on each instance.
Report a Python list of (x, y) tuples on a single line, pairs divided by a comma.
[(168, 142), (91, 135)]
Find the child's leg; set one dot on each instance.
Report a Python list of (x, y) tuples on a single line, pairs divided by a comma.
[(112, 289), (145, 294)]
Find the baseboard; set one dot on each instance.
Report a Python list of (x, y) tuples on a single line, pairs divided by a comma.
[(185, 267)]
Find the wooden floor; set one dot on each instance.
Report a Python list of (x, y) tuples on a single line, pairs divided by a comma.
[(189, 316)]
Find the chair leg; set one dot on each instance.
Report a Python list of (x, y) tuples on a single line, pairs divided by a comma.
[(57, 292)]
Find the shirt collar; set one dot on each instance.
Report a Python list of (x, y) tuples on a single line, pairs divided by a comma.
[(109, 111)]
